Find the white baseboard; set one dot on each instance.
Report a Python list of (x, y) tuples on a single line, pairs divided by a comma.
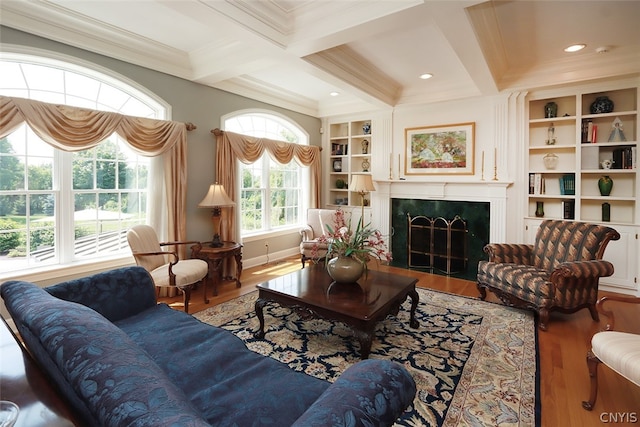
[(264, 259)]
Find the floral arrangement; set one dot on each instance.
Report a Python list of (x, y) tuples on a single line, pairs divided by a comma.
[(362, 243)]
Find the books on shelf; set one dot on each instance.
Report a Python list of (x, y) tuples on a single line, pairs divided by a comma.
[(536, 183), (624, 158), (568, 184), (569, 209), (587, 131)]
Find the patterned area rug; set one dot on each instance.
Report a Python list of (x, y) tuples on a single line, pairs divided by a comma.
[(474, 362)]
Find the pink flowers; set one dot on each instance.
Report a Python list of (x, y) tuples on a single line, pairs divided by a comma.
[(362, 243)]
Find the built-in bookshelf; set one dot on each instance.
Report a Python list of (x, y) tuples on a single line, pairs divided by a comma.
[(350, 147), (594, 134), (580, 143)]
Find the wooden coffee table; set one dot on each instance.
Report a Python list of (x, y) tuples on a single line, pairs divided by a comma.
[(359, 306)]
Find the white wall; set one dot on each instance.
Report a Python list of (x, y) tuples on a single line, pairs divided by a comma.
[(498, 130)]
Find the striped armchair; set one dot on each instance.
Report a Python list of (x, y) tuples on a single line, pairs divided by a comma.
[(560, 271)]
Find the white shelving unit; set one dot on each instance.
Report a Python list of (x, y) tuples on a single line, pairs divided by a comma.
[(580, 156), (350, 147)]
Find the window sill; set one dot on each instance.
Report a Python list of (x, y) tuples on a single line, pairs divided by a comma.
[(59, 273)]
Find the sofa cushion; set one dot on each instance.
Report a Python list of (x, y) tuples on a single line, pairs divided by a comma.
[(230, 385), (525, 282), (110, 293), (108, 379)]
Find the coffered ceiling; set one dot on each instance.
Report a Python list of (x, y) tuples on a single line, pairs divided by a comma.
[(294, 53)]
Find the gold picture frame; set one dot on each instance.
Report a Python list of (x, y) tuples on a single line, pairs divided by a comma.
[(444, 149)]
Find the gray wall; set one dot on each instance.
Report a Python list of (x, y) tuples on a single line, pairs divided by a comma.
[(190, 102)]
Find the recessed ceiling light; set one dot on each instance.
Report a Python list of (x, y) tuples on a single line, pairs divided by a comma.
[(575, 47), (426, 76), (334, 93)]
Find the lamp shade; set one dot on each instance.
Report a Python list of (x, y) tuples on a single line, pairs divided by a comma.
[(216, 198), (361, 184)]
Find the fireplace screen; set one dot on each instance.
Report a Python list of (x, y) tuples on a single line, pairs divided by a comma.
[(438, 243)]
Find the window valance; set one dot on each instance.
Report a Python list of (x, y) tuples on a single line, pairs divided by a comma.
[(248, 149), (231, 146), (74, 129)]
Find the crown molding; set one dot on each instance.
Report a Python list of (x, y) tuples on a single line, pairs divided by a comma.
[(260, 91), (55, 23)]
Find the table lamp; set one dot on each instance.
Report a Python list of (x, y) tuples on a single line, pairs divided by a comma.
[(216, 199), (362, 184)]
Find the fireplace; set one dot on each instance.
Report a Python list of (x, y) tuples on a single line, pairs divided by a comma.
[(445, 250), (481, 204)]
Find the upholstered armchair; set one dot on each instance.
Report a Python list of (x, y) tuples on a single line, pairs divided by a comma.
[(317, 220), (165, 267), (619, 351), (560, 271)]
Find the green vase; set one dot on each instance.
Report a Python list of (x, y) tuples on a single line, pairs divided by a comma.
[(539, 209), (344, 269), (605, 184)]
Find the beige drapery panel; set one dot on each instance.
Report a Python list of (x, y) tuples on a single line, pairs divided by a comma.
[(231, 146), (75, 129)]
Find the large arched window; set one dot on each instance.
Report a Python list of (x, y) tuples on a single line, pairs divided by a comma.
[(272, 195), (57, 207)]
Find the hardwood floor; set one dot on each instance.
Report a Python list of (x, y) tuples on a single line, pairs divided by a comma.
[(564, 379)]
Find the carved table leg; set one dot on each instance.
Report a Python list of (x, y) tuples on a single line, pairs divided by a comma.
[(365, 338), (215, 272), (238, 257), (260, 303), (413, 322)]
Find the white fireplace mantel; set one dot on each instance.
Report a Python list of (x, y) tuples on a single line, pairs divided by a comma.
[(493, 192)]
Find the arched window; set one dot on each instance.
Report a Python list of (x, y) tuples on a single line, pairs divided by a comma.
[(59, 207), (272, 195)]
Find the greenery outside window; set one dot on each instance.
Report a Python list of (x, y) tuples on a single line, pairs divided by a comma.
[(271, 195), (59, 207)]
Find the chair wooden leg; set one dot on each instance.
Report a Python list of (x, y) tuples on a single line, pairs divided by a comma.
[(592, 363), (483, 291), (302, 259), (186, 295), (543, 319), (594, 312)]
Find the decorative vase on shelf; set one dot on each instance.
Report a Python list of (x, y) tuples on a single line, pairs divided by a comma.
[(539, 209), (550, 161), (345, 269), (551, 135), (365, 165), (366, 128), (606, 212), (605, 184), (550, 110), (602, 104), (365, 146)]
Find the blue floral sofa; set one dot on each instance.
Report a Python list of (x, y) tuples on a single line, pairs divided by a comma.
[(121, 359)]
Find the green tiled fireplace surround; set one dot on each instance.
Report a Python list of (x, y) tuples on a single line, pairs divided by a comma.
[(476, 215)]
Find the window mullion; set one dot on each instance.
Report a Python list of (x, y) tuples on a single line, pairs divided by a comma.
[(65, 206)]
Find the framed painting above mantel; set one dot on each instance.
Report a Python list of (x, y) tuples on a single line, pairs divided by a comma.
[(440, 150)]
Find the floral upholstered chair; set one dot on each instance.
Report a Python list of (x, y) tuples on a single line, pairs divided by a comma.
[(317, 219), (560, 271)]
